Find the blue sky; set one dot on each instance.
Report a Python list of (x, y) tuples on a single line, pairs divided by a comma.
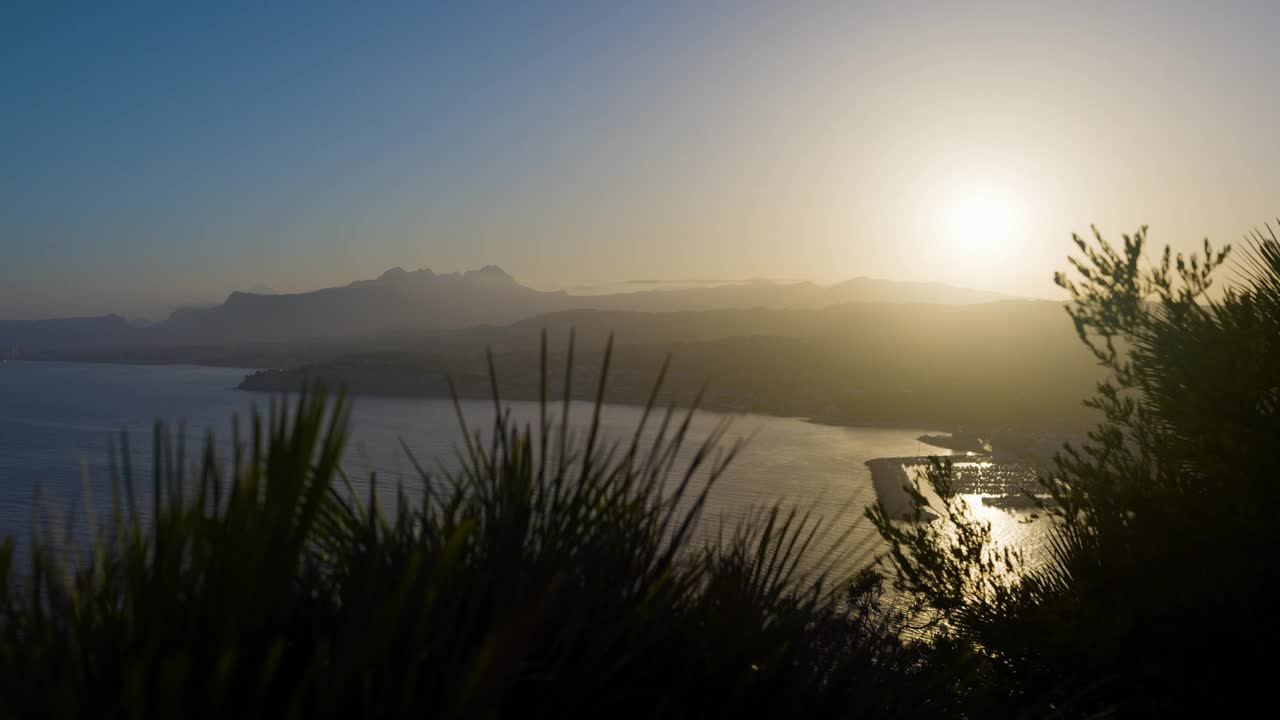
[(155, 155)]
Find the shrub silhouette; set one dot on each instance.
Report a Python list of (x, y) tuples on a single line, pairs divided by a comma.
[(1154, 592)]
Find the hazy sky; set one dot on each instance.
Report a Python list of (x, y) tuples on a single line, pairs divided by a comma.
[(159, 155)]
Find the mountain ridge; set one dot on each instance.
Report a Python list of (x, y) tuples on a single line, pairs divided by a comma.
[(400, 299)]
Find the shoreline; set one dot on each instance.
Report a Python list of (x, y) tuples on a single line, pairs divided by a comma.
[(389, 377), (889, 477), (274, 380), (1009, 486)]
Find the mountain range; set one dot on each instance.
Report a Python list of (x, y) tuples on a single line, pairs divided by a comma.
[(400, 300)]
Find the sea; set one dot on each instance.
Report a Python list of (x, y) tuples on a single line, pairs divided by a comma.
[(60, 423)]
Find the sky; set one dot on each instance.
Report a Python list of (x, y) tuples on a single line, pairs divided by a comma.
[(159, 155)]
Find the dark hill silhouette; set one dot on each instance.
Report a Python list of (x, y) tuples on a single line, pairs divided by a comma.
[(19, 337), (921, 365), (924, 365), (767, 294), (396, 299), (401, 301)]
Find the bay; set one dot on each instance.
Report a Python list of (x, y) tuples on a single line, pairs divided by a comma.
[(58, 420)]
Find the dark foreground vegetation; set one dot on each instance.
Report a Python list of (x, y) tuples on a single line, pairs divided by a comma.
[(551, 575), (557, 575), (1157, 592)]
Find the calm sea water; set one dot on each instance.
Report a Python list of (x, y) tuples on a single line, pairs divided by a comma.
[(58, 419)]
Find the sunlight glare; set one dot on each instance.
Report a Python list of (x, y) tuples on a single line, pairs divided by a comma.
[(980, 222)]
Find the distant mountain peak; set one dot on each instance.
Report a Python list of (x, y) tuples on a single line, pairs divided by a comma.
[(870, 289), (399, 276), (400, 300), (489, 273)]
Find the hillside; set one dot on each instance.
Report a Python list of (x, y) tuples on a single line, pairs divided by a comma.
[(18, 338), (920, 365), (400, 301)]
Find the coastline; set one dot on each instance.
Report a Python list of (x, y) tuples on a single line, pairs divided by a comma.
[(889, 476), (390, 383), (1006, 485)]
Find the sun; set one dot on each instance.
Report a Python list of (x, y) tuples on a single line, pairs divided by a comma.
[(979, 222)]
